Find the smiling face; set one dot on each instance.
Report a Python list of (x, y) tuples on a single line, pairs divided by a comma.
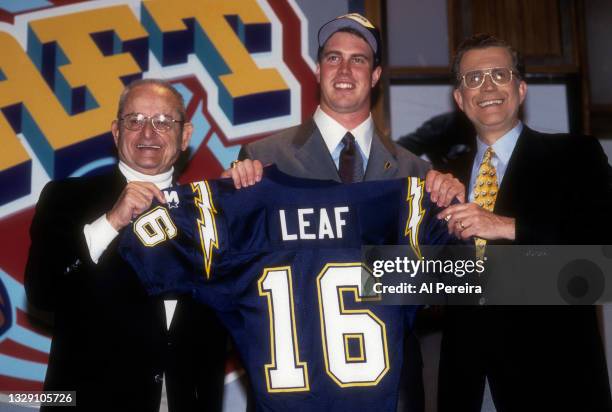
[(147, 150), (491, 108), (346, 76)]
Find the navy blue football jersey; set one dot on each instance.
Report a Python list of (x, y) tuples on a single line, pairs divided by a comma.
[(280, 264)]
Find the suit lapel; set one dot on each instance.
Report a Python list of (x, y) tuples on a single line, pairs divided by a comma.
[(382, 163), (104, 190), (462, 169), (312, 154), (315, 159), (514, 173)]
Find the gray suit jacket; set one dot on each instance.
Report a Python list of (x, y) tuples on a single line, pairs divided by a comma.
[(300, 151)]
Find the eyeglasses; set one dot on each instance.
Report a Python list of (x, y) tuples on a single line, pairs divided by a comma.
[(160, 122), (499, 75)]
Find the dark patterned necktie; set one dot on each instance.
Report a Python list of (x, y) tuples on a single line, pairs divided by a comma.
[(350, 166)]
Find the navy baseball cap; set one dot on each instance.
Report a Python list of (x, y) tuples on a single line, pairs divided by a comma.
[(358, 23)]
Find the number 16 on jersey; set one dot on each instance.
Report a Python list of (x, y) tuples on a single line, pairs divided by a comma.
[(286, 372)]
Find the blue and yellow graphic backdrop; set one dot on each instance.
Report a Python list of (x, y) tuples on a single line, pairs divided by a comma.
[(243, 68)]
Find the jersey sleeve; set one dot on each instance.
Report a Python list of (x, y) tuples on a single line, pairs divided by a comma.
[(161, 252), (181, 246)]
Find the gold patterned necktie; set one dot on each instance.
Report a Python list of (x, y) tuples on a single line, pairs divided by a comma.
[(485, 193)]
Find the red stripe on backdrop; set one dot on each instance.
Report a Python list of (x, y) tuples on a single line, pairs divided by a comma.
[(203, 164), (9, 384), (292, 54), (199, 94), (64, 2), (7, 17), (14, 248), (25, 320), (11, 348)]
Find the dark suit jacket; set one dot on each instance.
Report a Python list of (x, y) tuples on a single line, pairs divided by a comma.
[(110, 341), (301, 152), (535, 358), (443, 138)]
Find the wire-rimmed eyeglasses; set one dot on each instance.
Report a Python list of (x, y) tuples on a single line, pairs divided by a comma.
[(499, 75), (160, 122)]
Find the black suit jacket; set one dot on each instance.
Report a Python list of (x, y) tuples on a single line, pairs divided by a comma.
[(110, 341), (535, 358)]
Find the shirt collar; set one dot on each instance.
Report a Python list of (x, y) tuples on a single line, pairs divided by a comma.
[(503, 147), (333, 132), (162, 180)]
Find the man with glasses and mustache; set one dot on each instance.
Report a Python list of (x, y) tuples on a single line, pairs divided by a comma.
[(112, 344), (530, 188)]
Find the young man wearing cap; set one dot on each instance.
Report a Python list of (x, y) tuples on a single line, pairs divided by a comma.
[(340, 142)]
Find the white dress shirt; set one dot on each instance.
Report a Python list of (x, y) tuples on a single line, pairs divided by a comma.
[(333, 132)]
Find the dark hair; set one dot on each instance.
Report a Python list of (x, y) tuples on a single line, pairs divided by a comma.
[(483, 41), (156, 82), (376, 60)]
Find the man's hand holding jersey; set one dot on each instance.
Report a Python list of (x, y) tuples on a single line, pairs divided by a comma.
[(443, 187), (244, 173), (135, 198), (467, 220)]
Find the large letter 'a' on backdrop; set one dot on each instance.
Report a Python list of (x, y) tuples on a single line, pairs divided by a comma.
[(243, 68)]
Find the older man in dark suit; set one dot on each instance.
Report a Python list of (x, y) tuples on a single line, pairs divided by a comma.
[(527, 188), (112, 344)]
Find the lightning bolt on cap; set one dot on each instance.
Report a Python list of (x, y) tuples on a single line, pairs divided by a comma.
[(358, 23)]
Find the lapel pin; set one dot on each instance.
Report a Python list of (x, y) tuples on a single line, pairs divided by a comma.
[(387, 165)]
